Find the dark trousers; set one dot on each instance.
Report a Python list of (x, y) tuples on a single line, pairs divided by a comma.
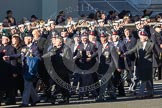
[(19, 81), (118, 82), (76, 78), (45, 78), (160, 73), (10, 93), (110, 89), (58, 89), (19, 84), (1, 96), (87, 80)]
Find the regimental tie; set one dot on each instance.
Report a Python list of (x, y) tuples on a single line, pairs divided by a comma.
[(85, 46), (104, 46), (75, 47)]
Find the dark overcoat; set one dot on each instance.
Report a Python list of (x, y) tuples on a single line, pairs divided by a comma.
[(144, 60)]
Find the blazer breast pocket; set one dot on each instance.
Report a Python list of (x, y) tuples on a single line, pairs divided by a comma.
[(106, 54)]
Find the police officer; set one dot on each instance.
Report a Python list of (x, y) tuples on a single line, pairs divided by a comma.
[(53, 29), (1, 28), (146, 27), (119, 27), (13, 30), (101, 27), (138, 28), (21, 29)]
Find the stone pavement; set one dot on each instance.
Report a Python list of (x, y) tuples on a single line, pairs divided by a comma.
[(122, 102)]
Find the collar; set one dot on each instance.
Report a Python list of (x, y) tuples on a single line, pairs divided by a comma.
[(76, 43), (104, 45), (36, 39), (85, 43), (29, 45), (116, 43), (144, 43)]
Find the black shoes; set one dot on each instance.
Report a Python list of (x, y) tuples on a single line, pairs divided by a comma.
[(24, 105), (34, 103), (10, 103)]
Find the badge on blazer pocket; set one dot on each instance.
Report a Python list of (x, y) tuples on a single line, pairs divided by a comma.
[(106, 53), (88, 53), (119, 52), (61, 54), (80, 52)]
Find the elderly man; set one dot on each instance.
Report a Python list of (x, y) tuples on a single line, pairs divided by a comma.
[(157, 40), (57, 53), (85, 60), (30, 50), (8, 50), (120, 48), (16, 43), (130, 42), (108, 58), (40, 42), (144, 50)]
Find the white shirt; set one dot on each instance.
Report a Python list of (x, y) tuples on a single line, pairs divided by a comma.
[(144, 44), (29, 45), (115, 43), (104, 46), (85, 45), (75, 47)]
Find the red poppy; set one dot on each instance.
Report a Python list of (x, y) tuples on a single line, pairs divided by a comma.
[(129, 40), (4, 51), (78, 47), (107, 46)]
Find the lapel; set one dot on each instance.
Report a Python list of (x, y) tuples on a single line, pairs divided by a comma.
[(81, 46), (118, 45), (49, 48), (147, 46), (104, 48), (127, 42), (140, 45), (87, 47), (74, 50), (72, 47)]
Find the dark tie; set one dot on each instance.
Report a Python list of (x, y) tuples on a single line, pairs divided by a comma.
[(142, 45)]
